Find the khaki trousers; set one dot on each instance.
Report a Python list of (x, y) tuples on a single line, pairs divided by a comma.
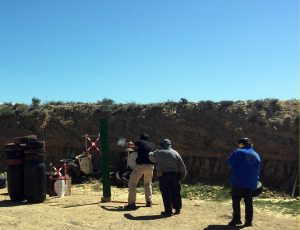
[(135, 176)]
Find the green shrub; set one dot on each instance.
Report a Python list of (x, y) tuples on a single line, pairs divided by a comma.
[(106, 102), (6, 109), (55, 103), (183, 101), (226, 103), (35, 102)]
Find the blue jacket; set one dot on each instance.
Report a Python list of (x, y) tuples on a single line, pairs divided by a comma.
[(245, 168)]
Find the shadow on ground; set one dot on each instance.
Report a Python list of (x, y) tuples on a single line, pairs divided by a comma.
[(116, 208), (222, 227), (9, 203), (148, 217), (78, 205)]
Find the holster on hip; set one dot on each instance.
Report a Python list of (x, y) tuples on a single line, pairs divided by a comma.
[(159, 173)]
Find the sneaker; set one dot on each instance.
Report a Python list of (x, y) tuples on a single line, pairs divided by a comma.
[(130, 206), (165, 213), (148, 204), (234, 222), (177, 211)]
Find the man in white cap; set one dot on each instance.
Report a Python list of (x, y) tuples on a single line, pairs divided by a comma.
[(170, 170)]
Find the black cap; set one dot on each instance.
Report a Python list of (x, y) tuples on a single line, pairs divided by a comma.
[(144, 137), (245, 141), (165, 142)]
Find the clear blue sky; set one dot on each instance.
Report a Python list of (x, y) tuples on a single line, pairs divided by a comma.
[(148, 51)]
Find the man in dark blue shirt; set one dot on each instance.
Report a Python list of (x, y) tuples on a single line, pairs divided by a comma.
[(144, 167), (245, 168)]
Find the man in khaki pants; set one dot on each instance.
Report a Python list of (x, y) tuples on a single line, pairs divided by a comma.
[(144, 167)]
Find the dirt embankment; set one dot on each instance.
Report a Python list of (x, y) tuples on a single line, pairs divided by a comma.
[(204, 133)]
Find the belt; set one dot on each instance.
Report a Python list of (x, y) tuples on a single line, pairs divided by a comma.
[(170, 173), (160, 173)]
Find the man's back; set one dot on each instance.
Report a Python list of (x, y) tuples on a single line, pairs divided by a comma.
[(245, 164), (169, 160), (143, 149)]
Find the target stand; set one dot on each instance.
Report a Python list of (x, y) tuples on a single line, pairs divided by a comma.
[(92, 155), (91, 142), (58, 183)]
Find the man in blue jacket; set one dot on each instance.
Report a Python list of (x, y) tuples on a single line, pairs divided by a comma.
[(245, 167)]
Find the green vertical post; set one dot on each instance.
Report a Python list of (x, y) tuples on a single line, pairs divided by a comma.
[(105, 161)]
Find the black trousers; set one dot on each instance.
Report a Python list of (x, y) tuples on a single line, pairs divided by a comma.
[(169, 185), (237, 194)]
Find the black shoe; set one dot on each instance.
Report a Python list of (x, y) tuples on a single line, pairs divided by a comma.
[(148, 204), (130, 207), (177, 211), (248, 223), (165, 213), (234, 222)]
